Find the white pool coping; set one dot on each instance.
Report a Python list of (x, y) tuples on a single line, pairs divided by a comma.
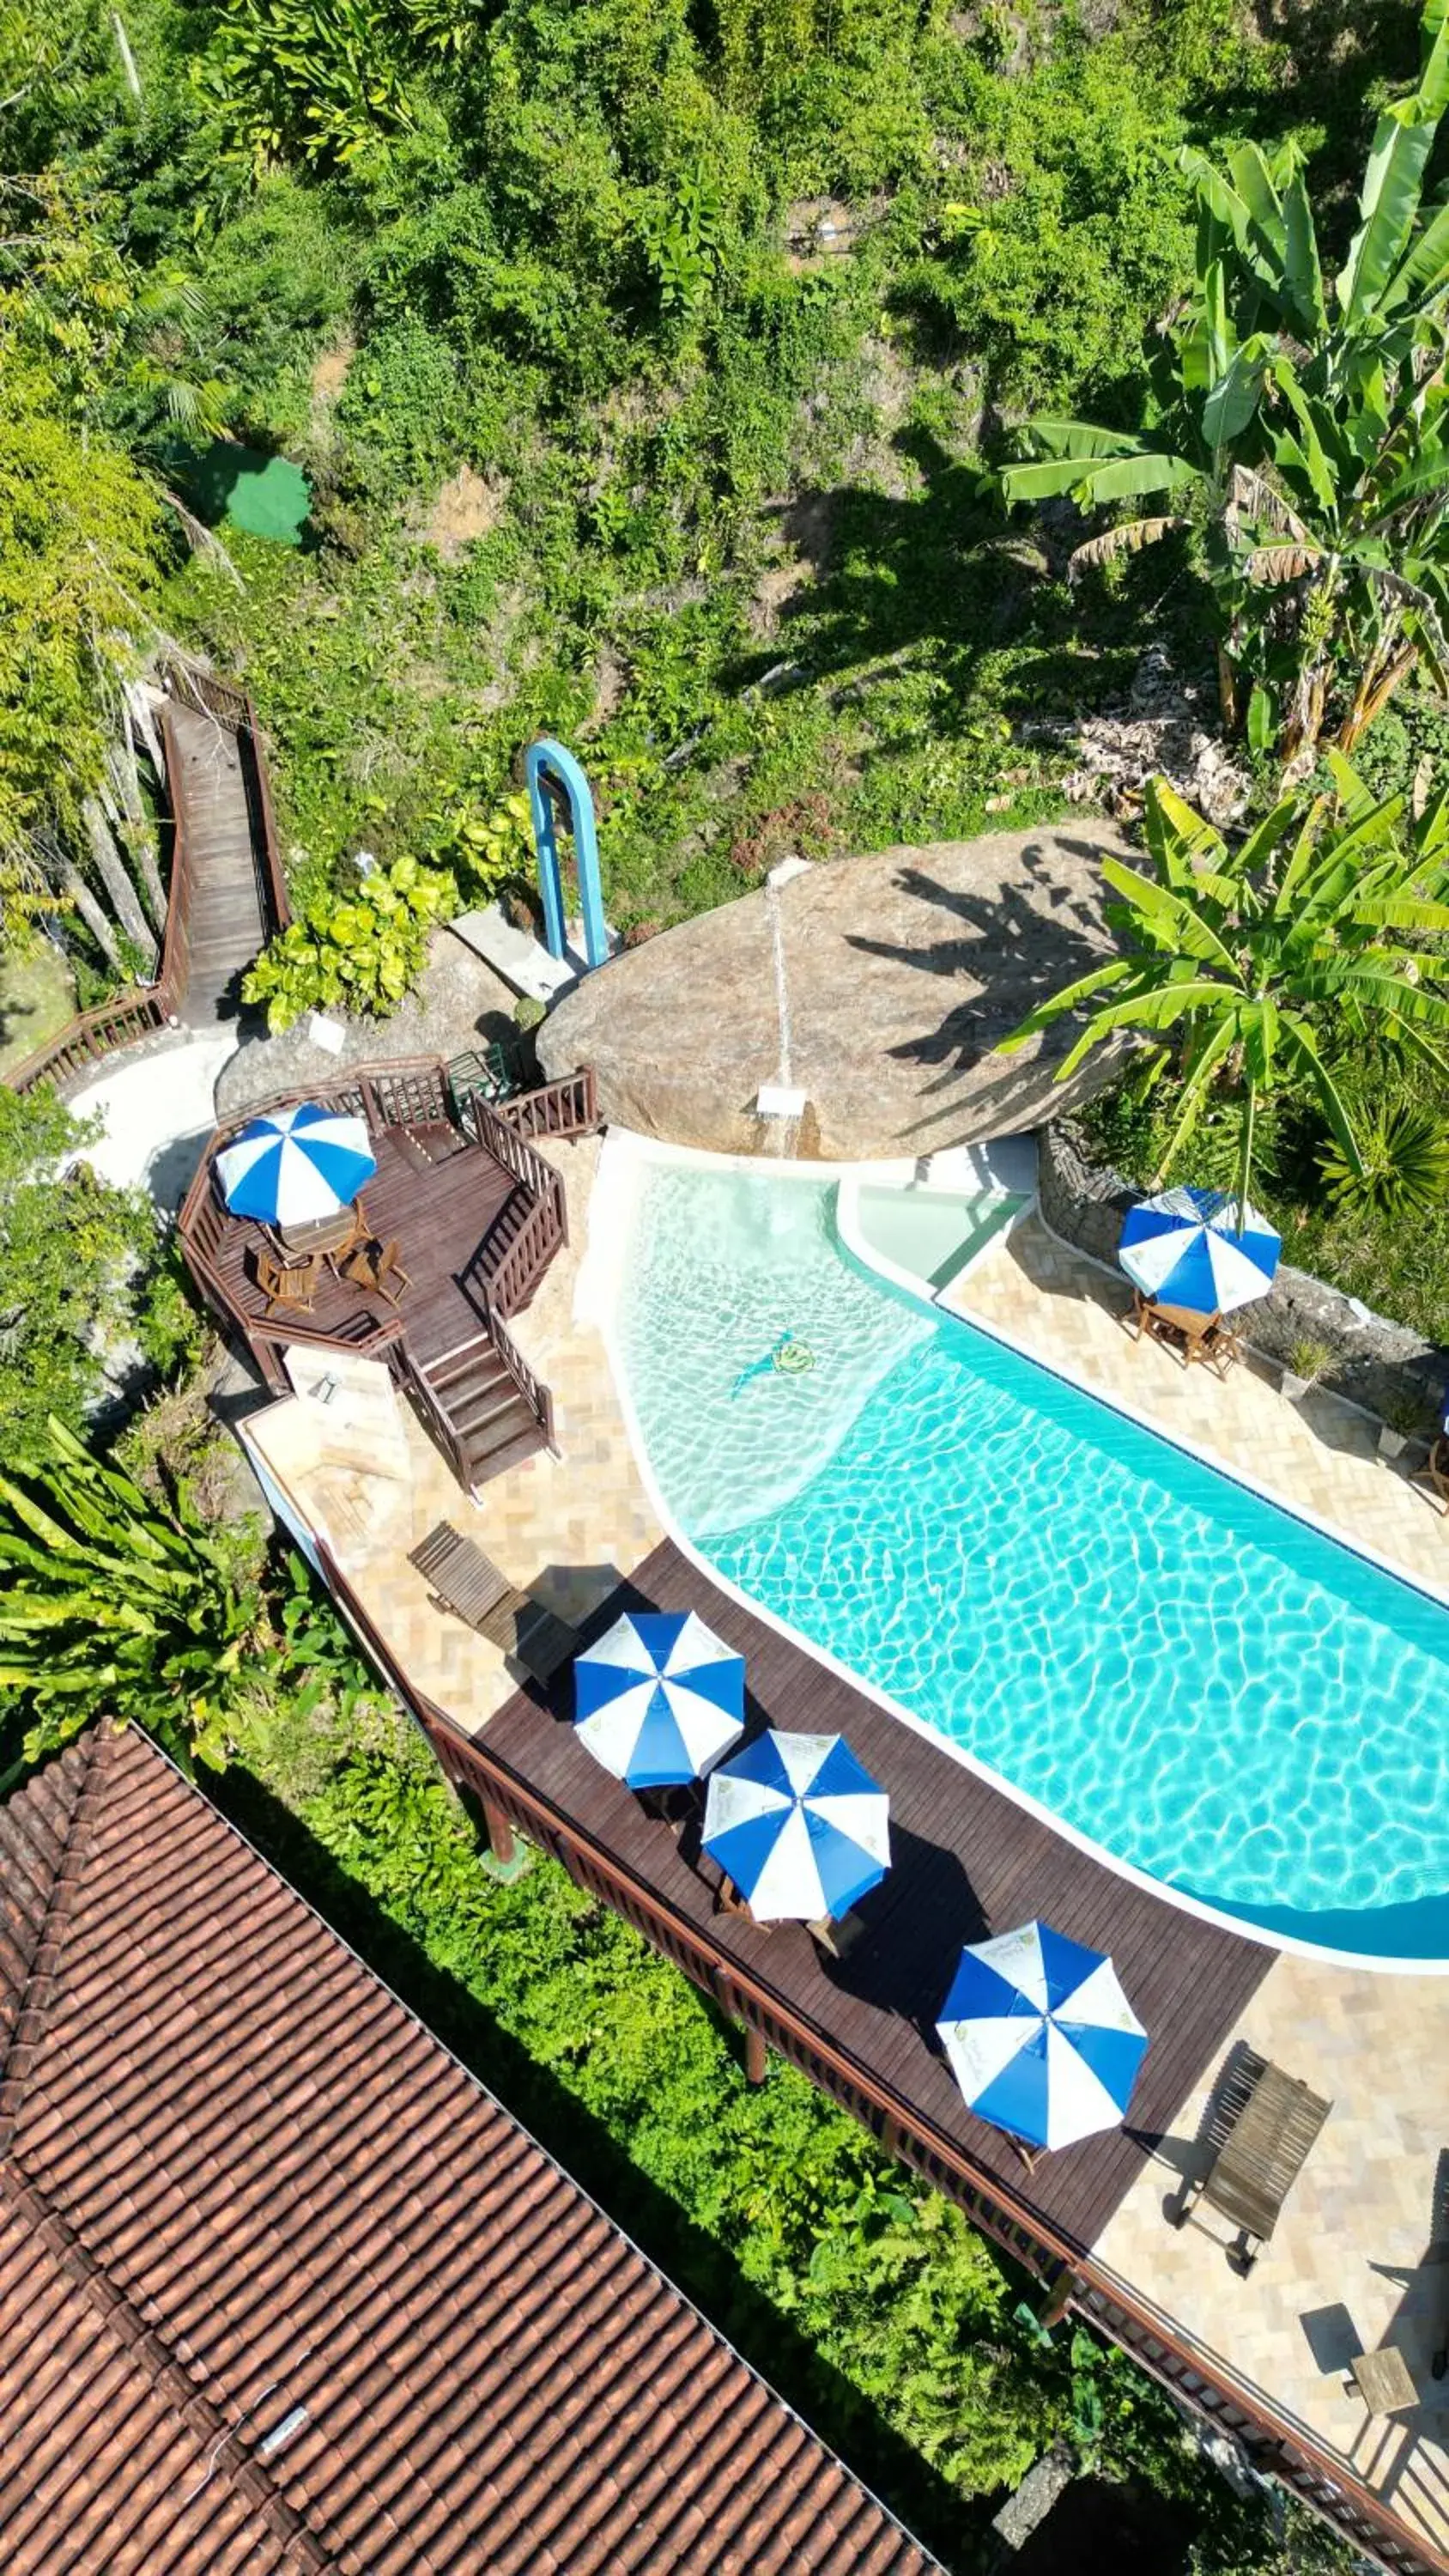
[(596, 1300)]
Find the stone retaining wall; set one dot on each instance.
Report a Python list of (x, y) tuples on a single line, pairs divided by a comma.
[(1380, 1365)]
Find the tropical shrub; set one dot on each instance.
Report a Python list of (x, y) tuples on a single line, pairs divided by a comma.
[(1269, 964), (324, 79), (115, 1605), (1403, 1166), (75, 1252), (1306, 426), (359, 952), (80, 542), (486, 848)]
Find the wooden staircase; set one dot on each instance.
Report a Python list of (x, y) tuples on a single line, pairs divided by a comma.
[(486, 1418)]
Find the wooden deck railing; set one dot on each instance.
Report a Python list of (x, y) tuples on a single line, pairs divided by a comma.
[(520, 1246), (411, 1092), (566, 1108), (94, 1034), (1273, 2440)]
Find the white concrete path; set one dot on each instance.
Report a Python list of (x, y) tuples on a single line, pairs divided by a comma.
[(157, 1108)]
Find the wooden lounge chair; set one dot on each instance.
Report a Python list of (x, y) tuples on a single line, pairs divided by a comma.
[(466, 1582), (286, 1280), (1263, 2127)]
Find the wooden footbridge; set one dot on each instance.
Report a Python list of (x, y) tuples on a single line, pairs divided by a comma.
[(226, 898)]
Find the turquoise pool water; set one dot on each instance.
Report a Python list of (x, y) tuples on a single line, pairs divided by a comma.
[(1206, 1687)]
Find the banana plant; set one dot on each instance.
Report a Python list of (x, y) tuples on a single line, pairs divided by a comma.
[(1266, 965), (1304, 426), (112, 1605)]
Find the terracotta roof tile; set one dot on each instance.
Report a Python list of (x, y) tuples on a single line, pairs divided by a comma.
[(238, 2180)]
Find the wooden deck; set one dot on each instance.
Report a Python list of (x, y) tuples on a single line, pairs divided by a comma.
[(967, 1862), (440, 1214)]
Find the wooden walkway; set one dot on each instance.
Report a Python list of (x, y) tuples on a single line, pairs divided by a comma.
[(215, 801), (967, 1862)]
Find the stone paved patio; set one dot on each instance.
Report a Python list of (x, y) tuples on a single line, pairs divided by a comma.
[(1361, 2255), (567, 1527)]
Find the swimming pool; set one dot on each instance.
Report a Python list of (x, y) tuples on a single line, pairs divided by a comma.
[(1206, 1688)]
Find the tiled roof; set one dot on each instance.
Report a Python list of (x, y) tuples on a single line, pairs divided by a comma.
[(238, 2180)]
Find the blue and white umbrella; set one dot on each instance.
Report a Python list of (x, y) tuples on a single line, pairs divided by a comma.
[(296, 1164), (659, 1699), (1185, 1248), (1041, 2038), (801, 1829)]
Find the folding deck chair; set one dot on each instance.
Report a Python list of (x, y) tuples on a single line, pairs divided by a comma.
[(466, 1582), (1262, 2130)]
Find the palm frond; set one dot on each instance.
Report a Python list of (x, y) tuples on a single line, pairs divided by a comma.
[(1128, 538)]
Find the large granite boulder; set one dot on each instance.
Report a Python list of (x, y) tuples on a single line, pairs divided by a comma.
[(902, 971)]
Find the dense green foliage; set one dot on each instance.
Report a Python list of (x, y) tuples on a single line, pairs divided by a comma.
[(362, 950), (1313, 943), (80, 1266), (113, 1605), (575, 252), (1305, 421)]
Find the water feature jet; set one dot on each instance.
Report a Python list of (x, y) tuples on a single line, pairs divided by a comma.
[(780, 1105)]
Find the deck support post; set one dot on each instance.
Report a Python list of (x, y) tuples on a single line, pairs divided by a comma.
[(500, 1833), (757, 2055), (1058, 2298)]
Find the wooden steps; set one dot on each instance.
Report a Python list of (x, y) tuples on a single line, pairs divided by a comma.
[(490, 1419)]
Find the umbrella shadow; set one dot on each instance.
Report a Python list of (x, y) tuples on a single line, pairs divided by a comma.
[(912, 1930)]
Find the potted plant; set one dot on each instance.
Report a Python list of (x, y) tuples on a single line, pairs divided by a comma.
[(1403, 1425), (1307, 1361)]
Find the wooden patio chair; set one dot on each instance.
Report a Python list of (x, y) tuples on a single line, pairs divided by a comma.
[(287, 1279), (377, 1267), (461, 1579), (1205, 1339), (1263, 2128)]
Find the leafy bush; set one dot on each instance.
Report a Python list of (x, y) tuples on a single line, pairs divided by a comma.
[(116, 1606), (362, 952), (75, 1251), (403, 409), (323, 79)]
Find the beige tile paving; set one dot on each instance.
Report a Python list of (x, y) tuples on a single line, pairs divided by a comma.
[(567, 1527), (1320, 1456), (1361, 2254)]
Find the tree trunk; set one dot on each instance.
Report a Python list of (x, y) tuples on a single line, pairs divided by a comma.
[(140, 839), (1227, 691), (98, 923), (143, 728), (111, 869), (1370, 702), (128, 59)]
